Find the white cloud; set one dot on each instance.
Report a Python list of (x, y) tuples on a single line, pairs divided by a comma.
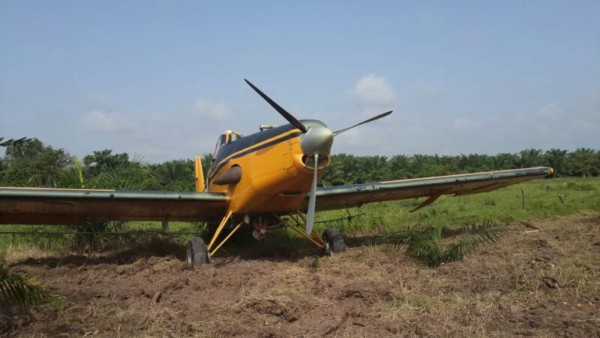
[(104, 121), (373, 90), (212, 110), (463, 124), (549, 111), (100, 101), (426, 90)]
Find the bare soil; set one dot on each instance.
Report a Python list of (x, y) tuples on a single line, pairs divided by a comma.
[(531, 283)]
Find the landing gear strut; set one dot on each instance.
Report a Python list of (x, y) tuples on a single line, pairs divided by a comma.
[(199, 253), (331, 241)]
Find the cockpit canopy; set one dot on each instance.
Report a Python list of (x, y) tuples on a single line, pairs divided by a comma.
[(226, 138)]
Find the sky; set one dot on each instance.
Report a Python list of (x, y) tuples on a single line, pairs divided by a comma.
[(160, 80)]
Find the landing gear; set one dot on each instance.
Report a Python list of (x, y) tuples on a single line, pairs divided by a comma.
[(197, 253), (335, 241), (263, 225)]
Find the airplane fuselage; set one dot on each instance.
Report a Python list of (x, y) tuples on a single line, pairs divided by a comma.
[(275, 173)]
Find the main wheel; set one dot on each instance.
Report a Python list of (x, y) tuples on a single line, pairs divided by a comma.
[(197, 253), (335, 241)]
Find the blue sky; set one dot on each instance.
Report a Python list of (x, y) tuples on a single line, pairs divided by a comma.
[(162, 79)]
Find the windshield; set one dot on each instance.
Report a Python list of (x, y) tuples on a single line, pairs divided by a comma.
[(220, 142)]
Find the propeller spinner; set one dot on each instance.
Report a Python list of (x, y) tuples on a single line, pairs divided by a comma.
[(315, 141)]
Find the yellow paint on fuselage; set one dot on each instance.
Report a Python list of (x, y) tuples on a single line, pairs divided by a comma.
[(274, 179)]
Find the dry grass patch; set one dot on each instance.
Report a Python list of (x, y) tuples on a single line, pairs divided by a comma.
[(370, 290), (17, 253)]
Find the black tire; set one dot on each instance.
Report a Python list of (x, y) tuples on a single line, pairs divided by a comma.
[(197, 253), (335, 241)]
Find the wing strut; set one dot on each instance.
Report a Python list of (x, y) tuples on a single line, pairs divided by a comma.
[(430, 200)]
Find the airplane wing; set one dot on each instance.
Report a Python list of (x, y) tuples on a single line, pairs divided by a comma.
[(355, 195), (77, 206)]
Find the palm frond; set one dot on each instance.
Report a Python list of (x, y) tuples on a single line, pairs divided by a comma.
[(129, 175), (472, 236), (13, 142), (438, 244), (427, 245), (18, 291)]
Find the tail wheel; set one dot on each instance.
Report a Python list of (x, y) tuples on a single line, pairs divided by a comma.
[(335, 241), (197, 253)]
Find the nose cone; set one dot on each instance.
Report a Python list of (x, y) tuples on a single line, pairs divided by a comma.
[(317, 140)]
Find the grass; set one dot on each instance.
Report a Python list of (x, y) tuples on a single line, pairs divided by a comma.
[(543, 199), (367, 291)]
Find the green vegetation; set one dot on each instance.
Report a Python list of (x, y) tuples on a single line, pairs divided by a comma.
[(453, 227), (542, 199), (439, 244), (13, 142), (20, 294), (34, 164), (346, 169), (28, 162)]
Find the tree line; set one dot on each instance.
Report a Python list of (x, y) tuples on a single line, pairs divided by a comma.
[(32, 163), (345, 169)]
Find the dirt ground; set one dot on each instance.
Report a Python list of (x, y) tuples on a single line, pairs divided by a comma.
[(531, 283)]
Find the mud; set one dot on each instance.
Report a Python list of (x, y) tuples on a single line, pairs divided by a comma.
[(540, 283)]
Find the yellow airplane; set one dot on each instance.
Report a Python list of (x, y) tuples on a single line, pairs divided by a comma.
[(266, 180)]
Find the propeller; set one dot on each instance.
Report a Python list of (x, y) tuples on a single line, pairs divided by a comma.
[(315, 141), (363, 122), (291, 119)]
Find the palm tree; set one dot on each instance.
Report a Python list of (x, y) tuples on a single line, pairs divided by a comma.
[(503, 161), (373, 168), (530, 158), (175, 175), (399, 166), (15, 143), (557, 159), (449, 165), (585, 162), (473, 162), (34, 164), (420, 165)]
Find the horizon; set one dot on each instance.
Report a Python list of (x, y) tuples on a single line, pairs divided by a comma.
[(140, 158)]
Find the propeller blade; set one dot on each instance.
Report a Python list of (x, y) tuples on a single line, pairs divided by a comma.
[(291, 119), (312, 200), (363, 122)]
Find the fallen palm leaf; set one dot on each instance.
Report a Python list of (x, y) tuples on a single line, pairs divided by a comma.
[(432, 244)]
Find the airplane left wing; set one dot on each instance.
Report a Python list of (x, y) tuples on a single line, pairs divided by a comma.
[(355, 195), (77, 206)]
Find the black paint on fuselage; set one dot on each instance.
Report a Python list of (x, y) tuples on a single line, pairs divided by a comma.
[(247, 142)]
